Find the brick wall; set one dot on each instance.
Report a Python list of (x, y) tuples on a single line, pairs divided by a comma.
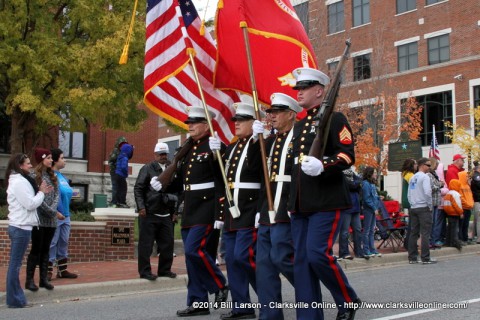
[(89, 241)]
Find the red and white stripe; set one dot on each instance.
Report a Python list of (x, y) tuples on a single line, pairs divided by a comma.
[(169, 81)]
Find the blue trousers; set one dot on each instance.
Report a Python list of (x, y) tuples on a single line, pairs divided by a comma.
[(19, 240), (240, 251), (350, 219), (203, 274), (59, 244), (369, 222), (313, 238), (274, 256)]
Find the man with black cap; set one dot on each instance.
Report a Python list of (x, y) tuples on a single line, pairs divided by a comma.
[(274, 241), (200, 176), (318, 195), (243, 166), (155, 221)]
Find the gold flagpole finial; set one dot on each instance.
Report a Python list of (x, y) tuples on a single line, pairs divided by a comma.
[(124, 55)]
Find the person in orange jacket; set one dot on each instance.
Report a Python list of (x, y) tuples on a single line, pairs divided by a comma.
[(452, 205), (467, 205)]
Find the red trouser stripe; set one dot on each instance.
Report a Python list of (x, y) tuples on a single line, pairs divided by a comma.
[(331, 259), (201, 253), (251, 252)]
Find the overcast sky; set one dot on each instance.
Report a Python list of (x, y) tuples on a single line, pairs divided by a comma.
[(201, 5)]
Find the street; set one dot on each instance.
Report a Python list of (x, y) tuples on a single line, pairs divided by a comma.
[(453, 281)]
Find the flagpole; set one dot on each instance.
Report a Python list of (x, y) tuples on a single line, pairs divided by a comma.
[(434, 139), (232, 206), (263, 152)]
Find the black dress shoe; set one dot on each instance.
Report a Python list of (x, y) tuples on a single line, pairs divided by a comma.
[(167, 274), (349, 314), (150, 277), (191, 312), (221, 296), (238, 315)]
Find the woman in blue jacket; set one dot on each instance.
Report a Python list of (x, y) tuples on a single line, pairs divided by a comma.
[(371, 205)]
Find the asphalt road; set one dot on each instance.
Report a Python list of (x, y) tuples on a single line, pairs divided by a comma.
[(416, 290)]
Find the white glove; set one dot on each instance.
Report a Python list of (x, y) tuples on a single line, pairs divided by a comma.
[(156, 185), (312, 166), (218, 225), (258, 128), (257, 218), (214, 142)]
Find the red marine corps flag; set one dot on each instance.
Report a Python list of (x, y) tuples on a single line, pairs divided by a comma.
[(278, 42), (173, 28)]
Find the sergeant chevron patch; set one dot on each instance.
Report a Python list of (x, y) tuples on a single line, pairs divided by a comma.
[(345, 136)]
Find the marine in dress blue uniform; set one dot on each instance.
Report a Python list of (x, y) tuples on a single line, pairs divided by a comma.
[(318, 194), (243, 166), (275, 251), (200, 177)]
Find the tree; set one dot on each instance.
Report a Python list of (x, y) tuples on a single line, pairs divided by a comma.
[(379, 123), (59, 66), (463, 138)]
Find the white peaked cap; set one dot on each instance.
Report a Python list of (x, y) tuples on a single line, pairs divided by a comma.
[(307, 77), (281, 101), (197, 114)]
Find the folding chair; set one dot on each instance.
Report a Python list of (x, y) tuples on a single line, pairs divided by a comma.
[(394, 230)]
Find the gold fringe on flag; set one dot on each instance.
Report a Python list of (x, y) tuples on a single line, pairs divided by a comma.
[(124, 56), (220, 4)]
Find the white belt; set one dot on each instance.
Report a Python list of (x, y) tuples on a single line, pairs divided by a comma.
[(198, 186), (283, 178), (244, 185), (295, 160)]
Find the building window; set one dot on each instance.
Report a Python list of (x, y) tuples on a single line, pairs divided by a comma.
[(361, 67), (302, 13), (428, 2), (5, 131), (438, 49), (406, 5), (437, 108), (361, 12), (336, 17), (73, 144), (476, 104), (407, 56), (332, 67)]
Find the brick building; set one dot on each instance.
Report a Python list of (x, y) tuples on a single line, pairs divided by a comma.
[(428, 49)]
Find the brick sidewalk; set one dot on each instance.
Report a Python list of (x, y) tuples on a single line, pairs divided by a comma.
[(101, 271)]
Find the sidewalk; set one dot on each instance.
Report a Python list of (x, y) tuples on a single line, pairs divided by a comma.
[(121, 277)]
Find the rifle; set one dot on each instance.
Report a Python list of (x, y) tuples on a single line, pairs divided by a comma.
[(324, 115), (166, 177)]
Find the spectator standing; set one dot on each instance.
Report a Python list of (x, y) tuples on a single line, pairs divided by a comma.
[(371, 208), (452, 205), (121, 174), (112, 163), (467, 206), (47, 215), (475, 186), (155, 219), (409, 168), (437, 185), (420, 199), (352, 219), (441, 221), (24, 196), (455, 168), (59, 245)]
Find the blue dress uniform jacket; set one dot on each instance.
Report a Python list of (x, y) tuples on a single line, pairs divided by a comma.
[(198, 169), (251, 173), (329, 191), (277, 142)]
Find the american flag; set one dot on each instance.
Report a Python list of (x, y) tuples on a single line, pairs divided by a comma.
[(434, 152), (173, 28)]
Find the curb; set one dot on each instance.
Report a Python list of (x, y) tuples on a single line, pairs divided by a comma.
[(93, 290)]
